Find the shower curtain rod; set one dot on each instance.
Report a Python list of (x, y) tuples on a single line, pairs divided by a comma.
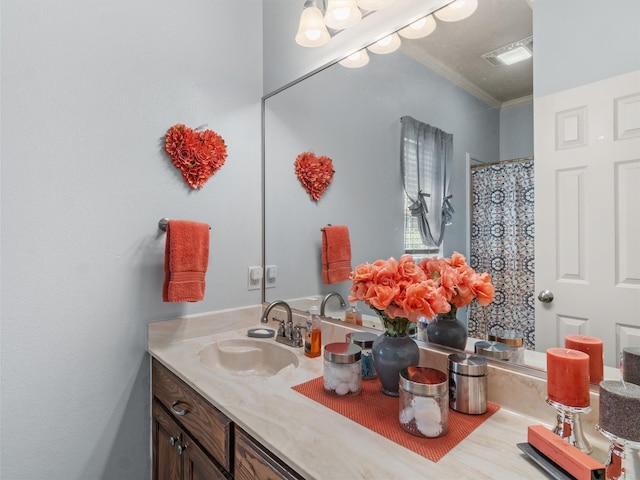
[(501, 162)]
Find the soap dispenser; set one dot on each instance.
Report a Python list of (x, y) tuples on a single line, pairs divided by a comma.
[(313, 337), (353, 315)]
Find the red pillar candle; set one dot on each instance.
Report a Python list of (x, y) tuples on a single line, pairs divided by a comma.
[(568, 377), (592, 346)]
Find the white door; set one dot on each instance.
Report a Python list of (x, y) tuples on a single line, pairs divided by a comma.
[(587, 214)]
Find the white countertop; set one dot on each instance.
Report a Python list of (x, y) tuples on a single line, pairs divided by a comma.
[(321, 444)]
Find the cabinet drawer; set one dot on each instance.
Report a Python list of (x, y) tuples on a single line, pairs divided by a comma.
[(203, 421), (254, 461)]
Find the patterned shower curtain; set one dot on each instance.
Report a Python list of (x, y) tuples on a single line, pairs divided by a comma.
[(502, 243)]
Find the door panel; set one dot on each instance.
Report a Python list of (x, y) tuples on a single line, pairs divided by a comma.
[(587, 154)]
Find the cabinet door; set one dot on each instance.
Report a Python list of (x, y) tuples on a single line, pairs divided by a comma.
[(253, 461), (202, 420), (166, 435), (197, 465)]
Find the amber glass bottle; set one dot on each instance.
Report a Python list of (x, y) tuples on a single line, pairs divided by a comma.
[(313, 337)]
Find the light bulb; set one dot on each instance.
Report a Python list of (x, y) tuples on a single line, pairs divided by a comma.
[(420, 28), (356, 60), (312, 31), (456, 11), (342, 14), (388, 44)]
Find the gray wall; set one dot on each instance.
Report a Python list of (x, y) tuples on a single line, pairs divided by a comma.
[(88, 90), (516, 132)]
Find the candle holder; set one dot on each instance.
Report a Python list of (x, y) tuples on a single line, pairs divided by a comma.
[(568, 425), (623, 462)]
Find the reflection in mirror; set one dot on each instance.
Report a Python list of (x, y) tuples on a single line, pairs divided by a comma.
[(353, 117)]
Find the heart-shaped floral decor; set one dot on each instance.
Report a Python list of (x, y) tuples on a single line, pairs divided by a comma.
[(315, 173), (197, 153)]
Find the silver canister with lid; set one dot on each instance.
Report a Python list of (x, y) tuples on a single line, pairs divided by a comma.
[(496, 350), (468, 383), (342, 373)]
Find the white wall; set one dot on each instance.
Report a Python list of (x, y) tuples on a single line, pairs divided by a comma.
[(88, 90)]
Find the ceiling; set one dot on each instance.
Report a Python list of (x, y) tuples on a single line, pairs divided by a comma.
[(455, 49)]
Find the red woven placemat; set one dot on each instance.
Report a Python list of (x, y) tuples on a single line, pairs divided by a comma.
[(379, 413)]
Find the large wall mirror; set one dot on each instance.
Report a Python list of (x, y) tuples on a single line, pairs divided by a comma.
[(352, 115)]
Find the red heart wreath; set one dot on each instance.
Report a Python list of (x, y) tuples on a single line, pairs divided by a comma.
[(315, 173), (197, 153)]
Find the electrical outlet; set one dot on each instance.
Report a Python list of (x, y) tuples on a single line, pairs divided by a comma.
[(270, 276), (254, 278)]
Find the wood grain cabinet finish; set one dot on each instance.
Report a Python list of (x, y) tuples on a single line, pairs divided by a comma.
[(203, 421), (253, 461), (193, 440), (175, 455)]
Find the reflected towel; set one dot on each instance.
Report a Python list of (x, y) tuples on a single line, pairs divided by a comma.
[(336, 254), (186, 258)]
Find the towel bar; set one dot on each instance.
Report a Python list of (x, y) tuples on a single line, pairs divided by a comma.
[(163, 222)]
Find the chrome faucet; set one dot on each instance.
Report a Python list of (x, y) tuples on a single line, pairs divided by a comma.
[(285, 330), (327, 297)]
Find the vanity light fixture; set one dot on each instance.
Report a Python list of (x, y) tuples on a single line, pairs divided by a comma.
[(388, 44), (456, 11), (312, 32), (509, 54), (420, 28), (372, 5), (356, 60), (342, 14)]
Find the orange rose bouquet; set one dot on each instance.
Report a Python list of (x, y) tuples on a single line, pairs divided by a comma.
[(403, 291)]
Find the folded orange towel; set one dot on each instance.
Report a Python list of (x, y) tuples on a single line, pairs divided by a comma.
[(336, 254), (186, 257)]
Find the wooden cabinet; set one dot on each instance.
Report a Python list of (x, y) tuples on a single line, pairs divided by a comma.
[(193, 440), (175, 455), (253, 461)]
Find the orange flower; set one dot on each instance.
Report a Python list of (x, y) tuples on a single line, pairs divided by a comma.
[(198, 154), (409, 290)]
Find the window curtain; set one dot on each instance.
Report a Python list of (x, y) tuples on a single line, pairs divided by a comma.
[(425, 161)]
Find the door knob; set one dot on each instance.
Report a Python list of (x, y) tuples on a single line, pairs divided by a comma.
[(545, 296)]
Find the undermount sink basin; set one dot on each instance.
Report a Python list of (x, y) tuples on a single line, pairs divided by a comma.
[(245, 356)]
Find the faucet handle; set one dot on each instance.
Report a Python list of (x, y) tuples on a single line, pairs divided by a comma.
[(297, 335), (280, 327)]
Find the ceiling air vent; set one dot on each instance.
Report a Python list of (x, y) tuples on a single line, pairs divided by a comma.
[(509, 54)]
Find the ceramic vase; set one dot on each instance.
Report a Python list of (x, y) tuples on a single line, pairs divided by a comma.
[(392, 351), (445, 329)]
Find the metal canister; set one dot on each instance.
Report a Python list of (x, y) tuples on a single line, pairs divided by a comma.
[(467, 383), (496, 350)]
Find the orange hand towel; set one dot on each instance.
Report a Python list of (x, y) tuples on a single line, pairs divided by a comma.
[(336, 254), (186, 258)]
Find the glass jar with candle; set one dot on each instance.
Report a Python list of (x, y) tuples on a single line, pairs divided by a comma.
[(424, 401), (342, 374)]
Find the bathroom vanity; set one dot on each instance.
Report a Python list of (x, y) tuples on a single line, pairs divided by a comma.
[(212, 422)]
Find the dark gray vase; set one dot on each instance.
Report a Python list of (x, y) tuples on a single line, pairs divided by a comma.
[(390, 355), (447, 330)]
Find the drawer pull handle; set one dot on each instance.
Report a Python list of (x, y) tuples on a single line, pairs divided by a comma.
[(181, 449), (173, 440), (178, 412)]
